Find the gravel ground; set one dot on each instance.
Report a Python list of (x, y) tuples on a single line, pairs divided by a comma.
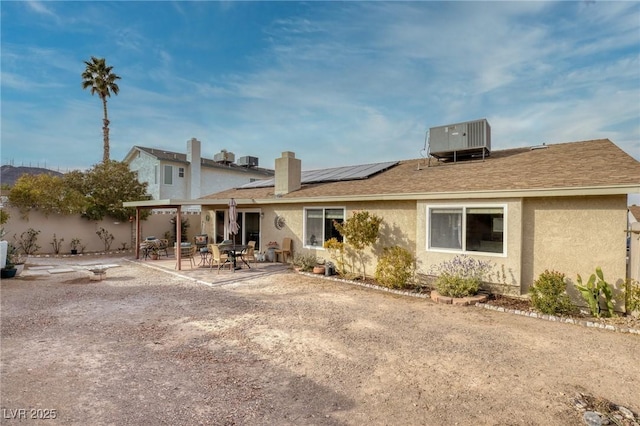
[(147, 347)]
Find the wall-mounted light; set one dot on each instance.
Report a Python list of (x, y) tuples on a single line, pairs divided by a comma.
[(261, 215)]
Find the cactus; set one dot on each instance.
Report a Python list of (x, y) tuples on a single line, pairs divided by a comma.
[(592, 290)]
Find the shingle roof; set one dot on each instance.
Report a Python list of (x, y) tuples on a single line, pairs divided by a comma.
[(586, 164), (164, 155)]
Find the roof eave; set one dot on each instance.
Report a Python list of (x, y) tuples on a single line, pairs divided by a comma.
[(166, 203), (522, 193)]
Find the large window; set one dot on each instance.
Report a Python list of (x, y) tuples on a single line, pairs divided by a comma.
[(319, 225), (168, 175), (467, 229)]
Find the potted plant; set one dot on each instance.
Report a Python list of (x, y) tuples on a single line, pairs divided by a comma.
[(75, 243), (9, 270)]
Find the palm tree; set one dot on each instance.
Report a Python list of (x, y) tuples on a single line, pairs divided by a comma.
[(102, 81)]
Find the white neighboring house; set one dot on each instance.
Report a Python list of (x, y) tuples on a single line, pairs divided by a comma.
[(174, 175)]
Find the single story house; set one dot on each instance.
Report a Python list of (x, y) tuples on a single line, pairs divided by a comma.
[(559, 207)]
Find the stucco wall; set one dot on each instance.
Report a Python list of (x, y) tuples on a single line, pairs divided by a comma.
[(144, 165), (70, 227), (506, 272), (574, 235), (397, 227)]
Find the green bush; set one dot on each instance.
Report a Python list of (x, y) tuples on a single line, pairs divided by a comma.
[(305, 262), (548, 294), (460, 276), (632, 294), (395, 267)]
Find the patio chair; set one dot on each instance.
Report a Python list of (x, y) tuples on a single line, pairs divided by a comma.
[(218, 258), (187, 252), (285, 250), (250, 253), (163, 244)]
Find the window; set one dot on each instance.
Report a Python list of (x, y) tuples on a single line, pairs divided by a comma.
[(467, 229), (168, 175), (181, 172), (319, 225)]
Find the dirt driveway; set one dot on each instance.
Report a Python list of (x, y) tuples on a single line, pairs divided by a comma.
[(147, 347)]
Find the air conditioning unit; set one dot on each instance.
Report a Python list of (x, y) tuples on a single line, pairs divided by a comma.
[(224, 157), (461, 140), (248, 161)]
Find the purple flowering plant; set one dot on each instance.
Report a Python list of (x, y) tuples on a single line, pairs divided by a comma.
[(460, 276)]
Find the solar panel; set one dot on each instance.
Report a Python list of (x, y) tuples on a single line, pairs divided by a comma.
[(335, 174)]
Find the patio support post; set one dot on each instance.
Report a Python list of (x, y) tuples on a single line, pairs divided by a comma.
[(179, 239), (137, 233)]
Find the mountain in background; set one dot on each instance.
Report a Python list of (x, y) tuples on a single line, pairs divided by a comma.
[(10, 174)]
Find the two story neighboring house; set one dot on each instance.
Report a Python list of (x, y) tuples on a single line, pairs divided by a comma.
[(174, 175)]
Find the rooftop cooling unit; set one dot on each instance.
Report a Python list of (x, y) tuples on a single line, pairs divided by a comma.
[(456, 141), (248, 161), (224, 157)]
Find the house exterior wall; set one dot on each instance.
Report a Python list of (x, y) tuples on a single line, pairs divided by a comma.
[(506, 269), (144, 165), (218, 179), (574, 235), (399, 222)]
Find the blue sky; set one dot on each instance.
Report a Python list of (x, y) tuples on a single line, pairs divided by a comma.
[(338, 83)]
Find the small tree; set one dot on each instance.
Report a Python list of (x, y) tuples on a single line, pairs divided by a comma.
[(360, 231), (106, 237)]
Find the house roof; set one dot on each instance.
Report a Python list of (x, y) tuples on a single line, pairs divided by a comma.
[(574, 168), (177, 157)]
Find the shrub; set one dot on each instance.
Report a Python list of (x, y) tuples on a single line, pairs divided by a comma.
[(632, 294), (305, 262), (106, 237), (395, 267), (460, 276), (548, 294), (56, 244), (592, 291), (27, 241)]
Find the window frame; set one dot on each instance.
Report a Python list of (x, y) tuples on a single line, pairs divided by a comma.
[(180, 172), (166, 167), (304, 223), (464, 208)]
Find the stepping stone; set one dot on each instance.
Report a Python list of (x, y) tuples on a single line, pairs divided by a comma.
[(61, 270)]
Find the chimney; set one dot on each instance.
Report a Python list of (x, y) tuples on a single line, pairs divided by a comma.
[(288, 173), (193, 173)]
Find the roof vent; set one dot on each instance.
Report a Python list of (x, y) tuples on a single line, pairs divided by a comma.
[(248, 161), (461, 140), (224, 157)]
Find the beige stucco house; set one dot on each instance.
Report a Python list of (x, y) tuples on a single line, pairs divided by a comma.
[(560, 206)]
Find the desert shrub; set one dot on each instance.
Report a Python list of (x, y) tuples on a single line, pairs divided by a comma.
[(632, 294), (460, 276), (548, 294), (27, 241), (305, 261), (106, 237), (395, 267), (56, 244), (595, 289)]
